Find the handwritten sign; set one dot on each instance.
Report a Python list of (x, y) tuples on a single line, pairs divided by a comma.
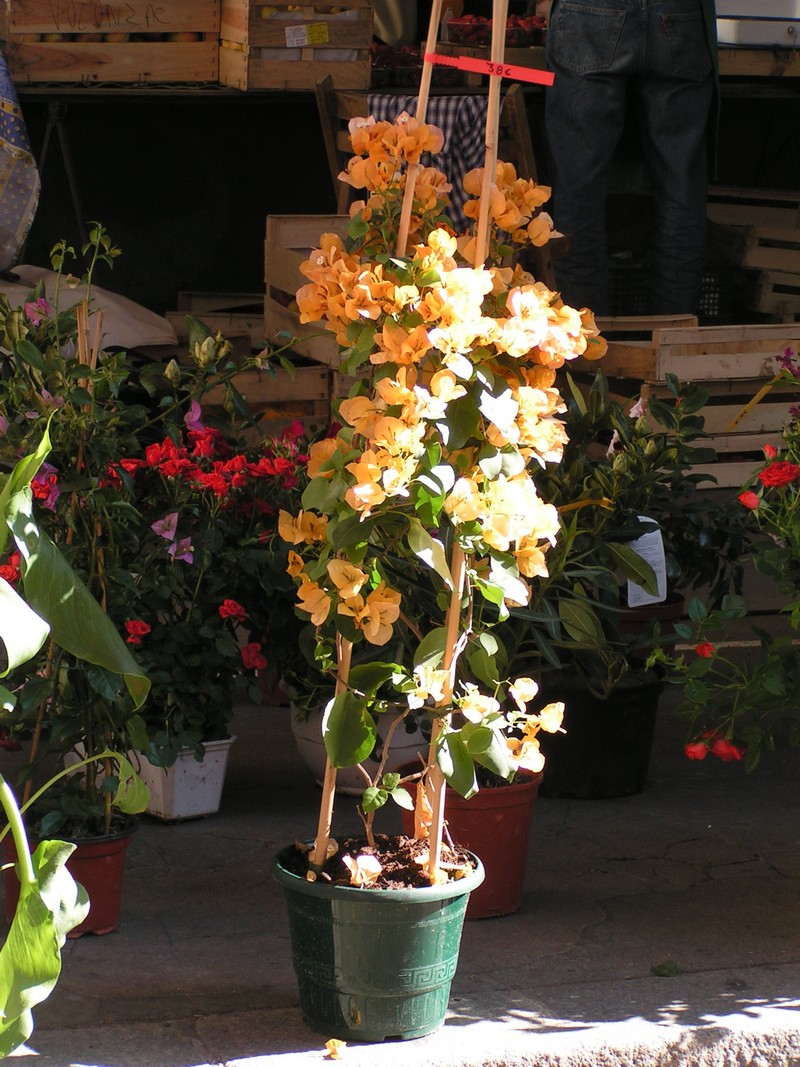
[(487, 66), (315, 33)]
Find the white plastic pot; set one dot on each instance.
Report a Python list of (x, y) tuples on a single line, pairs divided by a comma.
[(190, 788), (307, 732)]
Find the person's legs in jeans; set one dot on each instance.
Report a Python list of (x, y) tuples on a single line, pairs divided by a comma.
[(676, 93), (588, 50)]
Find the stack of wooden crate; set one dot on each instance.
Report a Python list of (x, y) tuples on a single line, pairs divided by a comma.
[(759, 230), (293, 46), (130, 42), (733, 363)]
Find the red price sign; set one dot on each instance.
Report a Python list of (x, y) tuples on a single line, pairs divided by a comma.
[(488, 66)]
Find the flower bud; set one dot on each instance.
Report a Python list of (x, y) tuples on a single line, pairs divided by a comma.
[(172, 372)]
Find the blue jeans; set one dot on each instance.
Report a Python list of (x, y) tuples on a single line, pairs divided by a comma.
[(601, 50)]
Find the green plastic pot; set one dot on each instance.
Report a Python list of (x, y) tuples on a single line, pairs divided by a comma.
[(374, 964)]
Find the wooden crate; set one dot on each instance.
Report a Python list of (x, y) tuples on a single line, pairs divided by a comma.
[(775, 294), (698, 354), (293, 46), (738, 434), (734, 206), (244, 321), (281, 397), (288, 242), (131, 42)]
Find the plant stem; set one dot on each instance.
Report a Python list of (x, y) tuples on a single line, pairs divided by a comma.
[(344, 651)]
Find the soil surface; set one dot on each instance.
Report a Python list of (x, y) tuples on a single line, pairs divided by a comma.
[(402, 861)]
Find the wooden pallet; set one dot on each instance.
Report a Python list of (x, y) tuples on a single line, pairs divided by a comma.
[(135, 42), (289, 240), (293, 46)]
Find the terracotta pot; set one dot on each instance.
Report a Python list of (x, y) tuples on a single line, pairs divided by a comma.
[(495, 824), (97, 864)]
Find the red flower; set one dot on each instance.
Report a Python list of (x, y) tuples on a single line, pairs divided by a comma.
[(10, 571), (705, 649), (727, 750), (770, 451), (232, 609), (696, 750), (136, 631), (252, 659), (781, 472), (749, 499)]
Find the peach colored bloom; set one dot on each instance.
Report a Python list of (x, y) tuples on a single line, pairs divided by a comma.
[(347, 578), (522, 691), (303, 528), (314, 601), (474, 705)]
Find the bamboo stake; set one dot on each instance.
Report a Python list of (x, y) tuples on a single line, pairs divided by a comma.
[(422, 110), (434, 782), (499, 18), (344, 651)]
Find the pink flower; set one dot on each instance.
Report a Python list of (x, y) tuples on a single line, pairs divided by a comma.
[(166, 527), (36, 310), (192, 417), (181, 551)]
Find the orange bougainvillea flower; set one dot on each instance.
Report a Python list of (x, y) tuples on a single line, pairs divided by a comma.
[(347, 578), (364, 870), (314, 601), (303, 528)]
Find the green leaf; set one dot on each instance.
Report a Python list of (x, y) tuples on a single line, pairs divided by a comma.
[(633, 567), (323, 494), (401, 796), (132, 794), (20, 478), (430, 650), (22, 631), (30, 959), (28, 352), (429, 550), (348, 730), (374, 798), (77, 622), (457, 764), (581, 623)]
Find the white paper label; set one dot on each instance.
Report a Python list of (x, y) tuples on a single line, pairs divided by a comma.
[(314, 33), (650, 546)]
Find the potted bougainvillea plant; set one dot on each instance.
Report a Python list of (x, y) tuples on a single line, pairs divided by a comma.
[(454, 351), (738, 706)]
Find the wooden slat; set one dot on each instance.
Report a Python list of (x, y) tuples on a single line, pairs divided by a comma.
[(772, 249), (132, 16), (133, 62), (733, 206), (759, 62)]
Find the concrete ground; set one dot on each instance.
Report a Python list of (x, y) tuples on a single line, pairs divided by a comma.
[(697, 877)]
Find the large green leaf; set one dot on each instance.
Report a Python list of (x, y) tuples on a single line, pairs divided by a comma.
[(348, 730), (20, 478), (77, 622), (457, 764), (50, 904), (22, 631)]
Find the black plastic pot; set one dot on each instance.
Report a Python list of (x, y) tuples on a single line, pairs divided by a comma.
[(606, 749)]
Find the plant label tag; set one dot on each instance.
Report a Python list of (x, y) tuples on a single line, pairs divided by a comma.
[(650, 546), (315, 33)]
